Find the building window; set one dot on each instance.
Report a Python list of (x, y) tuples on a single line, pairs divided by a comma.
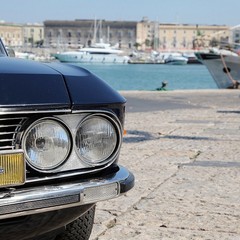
[(174, 44), (184, 43), (119, 35)]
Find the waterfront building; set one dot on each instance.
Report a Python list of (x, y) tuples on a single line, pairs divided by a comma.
[(33, 35), (21, 35), (165, 37), (11, 34), (78, 33), (235, 36), (145, 35)]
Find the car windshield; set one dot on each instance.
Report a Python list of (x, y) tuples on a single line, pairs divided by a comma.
[(2, 49)]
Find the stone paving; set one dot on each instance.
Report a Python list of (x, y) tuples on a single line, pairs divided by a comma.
[(182, 147)]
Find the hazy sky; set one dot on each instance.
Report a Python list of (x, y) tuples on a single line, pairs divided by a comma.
[(168, 11)]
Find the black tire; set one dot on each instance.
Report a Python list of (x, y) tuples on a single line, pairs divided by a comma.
[(79, 229)]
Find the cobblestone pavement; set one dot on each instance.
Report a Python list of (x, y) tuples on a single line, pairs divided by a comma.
[(182, 147)]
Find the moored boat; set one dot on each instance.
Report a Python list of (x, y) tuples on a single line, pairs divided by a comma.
[(223, 65), (176, 59), (95, 54), (192, 59)]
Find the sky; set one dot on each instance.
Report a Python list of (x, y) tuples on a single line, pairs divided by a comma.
[(209, 12)]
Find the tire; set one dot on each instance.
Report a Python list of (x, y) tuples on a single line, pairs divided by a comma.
[(79, 229)]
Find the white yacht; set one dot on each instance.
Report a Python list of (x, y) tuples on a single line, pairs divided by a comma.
[(99, 53)]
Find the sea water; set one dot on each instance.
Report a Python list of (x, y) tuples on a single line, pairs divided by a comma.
[(150, 76)]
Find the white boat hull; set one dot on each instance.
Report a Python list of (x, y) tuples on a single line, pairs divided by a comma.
[(225, 70), (176, 60), (75, 57)]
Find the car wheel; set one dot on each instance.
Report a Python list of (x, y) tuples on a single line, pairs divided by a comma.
[(79, 229)]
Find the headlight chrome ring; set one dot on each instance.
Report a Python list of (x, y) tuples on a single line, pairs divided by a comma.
[(98, 139), (47, 144)]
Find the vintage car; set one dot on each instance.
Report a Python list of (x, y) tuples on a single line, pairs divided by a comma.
[(61, 130)]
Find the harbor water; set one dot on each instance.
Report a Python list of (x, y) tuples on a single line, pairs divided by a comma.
[(150, 76)]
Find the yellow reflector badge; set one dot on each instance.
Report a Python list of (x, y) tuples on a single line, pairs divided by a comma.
[(12, 168)]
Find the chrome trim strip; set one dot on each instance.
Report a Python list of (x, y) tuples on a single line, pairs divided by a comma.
[(35, 111), (14, 118), (7, 147), (63, 175), (11, 151), (6, 139), (53, 111), (17, 202), (93, 111), (5, 133)]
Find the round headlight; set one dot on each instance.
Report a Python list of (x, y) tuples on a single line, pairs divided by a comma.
[(97, 140), (47, 144)]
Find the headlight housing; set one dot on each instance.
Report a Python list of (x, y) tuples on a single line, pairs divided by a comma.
[(47, 144), (97, 139)]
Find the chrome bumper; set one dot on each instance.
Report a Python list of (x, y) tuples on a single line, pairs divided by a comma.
[(33, 200)]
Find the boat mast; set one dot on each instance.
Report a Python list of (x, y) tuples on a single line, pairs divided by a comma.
[(95, 31), (108, 34), (100, 31)]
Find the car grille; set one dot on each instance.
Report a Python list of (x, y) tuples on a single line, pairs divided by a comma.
[(9, 127)]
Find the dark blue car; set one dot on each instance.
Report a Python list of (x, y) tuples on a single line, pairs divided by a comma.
[(61, 131)]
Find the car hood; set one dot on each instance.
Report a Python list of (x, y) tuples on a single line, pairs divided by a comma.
[(29, 84)]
